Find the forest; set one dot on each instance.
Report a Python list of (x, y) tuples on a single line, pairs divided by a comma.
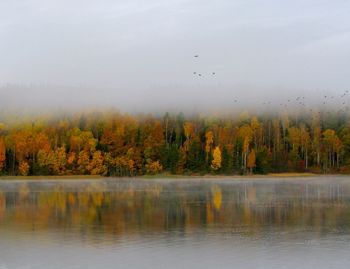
[(111, 143)]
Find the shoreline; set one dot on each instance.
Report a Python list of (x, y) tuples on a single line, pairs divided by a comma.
[(296, 176)]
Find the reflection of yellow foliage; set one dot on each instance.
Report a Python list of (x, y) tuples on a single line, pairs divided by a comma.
[(210, 216), (129, 207), (61, 201), (251, 195), (217, 197), (96, 193), (91, 214), (97, 198), (2, 205), (247, 213), (71, 198), (23, 191), (83, 199)]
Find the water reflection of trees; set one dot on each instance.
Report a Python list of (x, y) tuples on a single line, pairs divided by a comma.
[(162, 207)]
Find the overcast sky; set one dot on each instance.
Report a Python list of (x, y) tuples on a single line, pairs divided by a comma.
[(139, 54)]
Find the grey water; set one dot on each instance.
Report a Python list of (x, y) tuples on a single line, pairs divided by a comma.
[(175, 223)]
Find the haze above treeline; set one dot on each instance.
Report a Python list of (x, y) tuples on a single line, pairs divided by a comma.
[(183, 55), (19, 99)]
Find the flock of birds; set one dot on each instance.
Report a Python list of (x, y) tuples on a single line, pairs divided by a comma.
[(300, 101), (200, 74), (329, 103)]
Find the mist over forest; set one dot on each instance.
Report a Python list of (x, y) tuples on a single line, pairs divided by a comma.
[(33, 99), (185, 87)]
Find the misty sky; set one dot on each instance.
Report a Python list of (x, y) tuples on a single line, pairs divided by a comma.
[(136, 54)]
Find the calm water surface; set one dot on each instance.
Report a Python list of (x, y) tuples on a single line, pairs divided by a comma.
[(129, 223)]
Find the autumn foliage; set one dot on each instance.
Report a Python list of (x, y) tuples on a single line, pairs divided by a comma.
[(116, 144)]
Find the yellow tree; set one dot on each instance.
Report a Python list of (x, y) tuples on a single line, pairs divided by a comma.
[(251, 161), (188, 130), (135, 160), (96, 165), (246, 133), (333, 146), (209, 139), (21, 147), (154, 140), (59, 161), (189, 133), (338, 146), (23, 168), (294, 137), (256, 130), (153, 167), (216, 162), (83, 161)]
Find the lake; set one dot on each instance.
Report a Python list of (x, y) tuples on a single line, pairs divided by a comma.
[(175, 223)]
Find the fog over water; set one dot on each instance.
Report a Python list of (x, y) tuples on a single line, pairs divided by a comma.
[(139, 55)]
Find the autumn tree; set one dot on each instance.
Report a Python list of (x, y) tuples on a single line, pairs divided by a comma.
[(96, 165), (216, 162), (153, 167), (251, 161), (333, 147), (23, 168), (246, 134), (209, 139)]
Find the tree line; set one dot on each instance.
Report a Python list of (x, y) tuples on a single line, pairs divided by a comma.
[(116, 144)]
